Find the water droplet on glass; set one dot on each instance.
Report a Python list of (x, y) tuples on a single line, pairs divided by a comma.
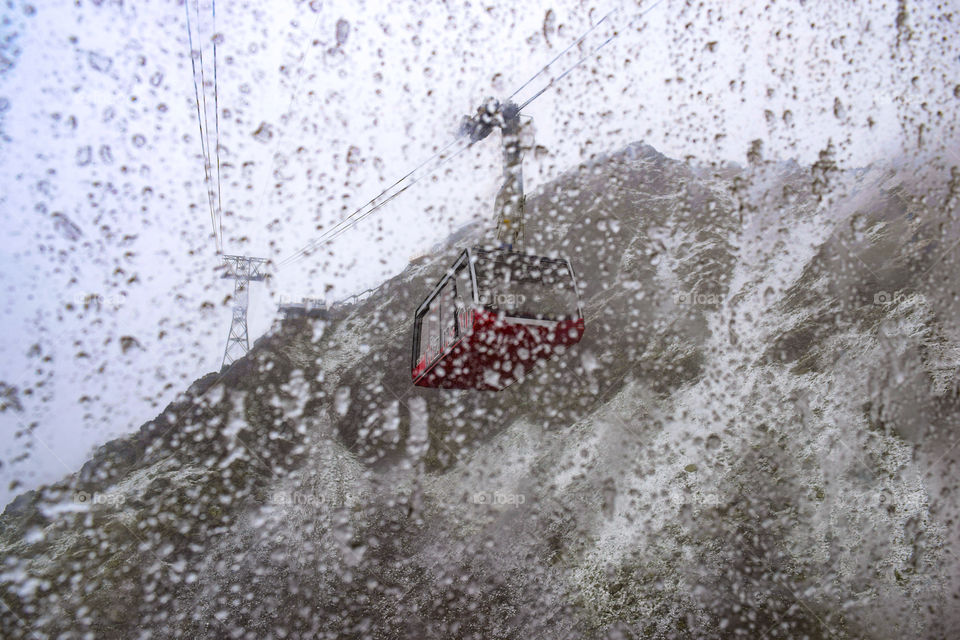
[(769, 295), (609, 498), (858, 223), (263, 133), (343, 32), (549, 24), (99, 61), (84, 155), (838, 109), (65, 226)]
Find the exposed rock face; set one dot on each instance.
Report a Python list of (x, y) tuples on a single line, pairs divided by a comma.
[(753, 439)]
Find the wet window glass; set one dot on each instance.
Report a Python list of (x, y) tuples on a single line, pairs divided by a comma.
[(526, 286), (701, 378)]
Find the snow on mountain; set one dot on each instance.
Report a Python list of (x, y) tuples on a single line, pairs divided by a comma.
[(754, 438)]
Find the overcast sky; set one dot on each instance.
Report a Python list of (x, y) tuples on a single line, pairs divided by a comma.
[(102, 170)]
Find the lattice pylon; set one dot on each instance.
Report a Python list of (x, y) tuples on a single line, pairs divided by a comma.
[(244, 270)]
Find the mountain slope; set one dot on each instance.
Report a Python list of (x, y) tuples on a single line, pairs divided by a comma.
[(752, 438)]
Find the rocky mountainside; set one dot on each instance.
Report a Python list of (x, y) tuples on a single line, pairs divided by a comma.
[(753, 439)]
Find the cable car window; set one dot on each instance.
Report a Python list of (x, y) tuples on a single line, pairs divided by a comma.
[(423, 336), (463, 299), (448, 312), (428, 327), (526, 286), (433, 327)]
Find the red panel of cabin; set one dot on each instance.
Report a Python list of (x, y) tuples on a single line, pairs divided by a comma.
[(495, 351)]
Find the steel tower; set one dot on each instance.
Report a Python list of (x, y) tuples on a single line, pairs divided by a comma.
[(244, 270)]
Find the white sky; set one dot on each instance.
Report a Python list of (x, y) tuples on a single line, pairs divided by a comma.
[(103, 183)]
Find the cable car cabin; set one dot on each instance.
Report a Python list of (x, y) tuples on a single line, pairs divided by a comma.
[(493, 317)]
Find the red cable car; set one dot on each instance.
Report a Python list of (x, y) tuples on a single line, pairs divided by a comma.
[(497, 312), (495, 315)]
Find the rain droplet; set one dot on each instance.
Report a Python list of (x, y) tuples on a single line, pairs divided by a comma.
[(549, 24), (768, 296), (65, 226), (99, 61), (84, 155), (343, 32), (139, 140), (858, 223), (106, 154), (342, 401), (838, 109), (263, 133), (156, 79), (609, 498), (316, 6), (217, 39)]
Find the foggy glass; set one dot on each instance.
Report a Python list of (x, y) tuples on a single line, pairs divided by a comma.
[(220, 221)]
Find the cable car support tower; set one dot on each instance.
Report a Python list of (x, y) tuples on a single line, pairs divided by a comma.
[(243, 270)]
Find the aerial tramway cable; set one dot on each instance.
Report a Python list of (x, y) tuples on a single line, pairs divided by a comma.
[(204, 126), (558, 56), (207, 165), (360, 213), (565, 73), (293, 98), (216, 107), (372, 205), (339, 232)]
